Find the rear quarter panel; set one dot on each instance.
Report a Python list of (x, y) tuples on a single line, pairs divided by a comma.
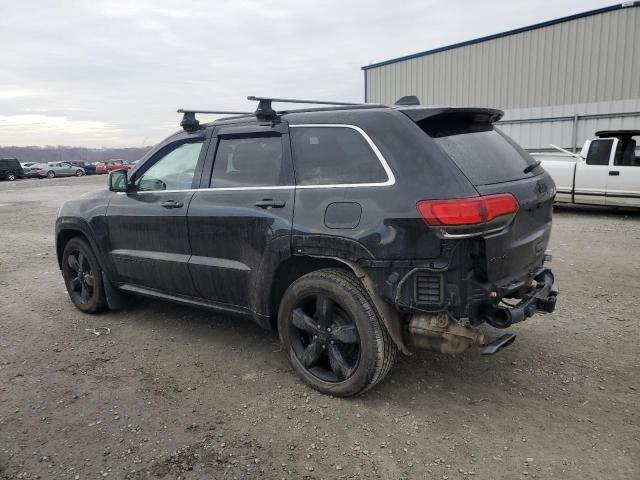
[(390, 226)]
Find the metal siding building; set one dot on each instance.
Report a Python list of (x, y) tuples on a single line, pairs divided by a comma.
[(558, 81)]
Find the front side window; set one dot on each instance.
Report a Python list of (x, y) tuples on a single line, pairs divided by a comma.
[(249, 162), (599, 152), (334, 156), (174, 170)]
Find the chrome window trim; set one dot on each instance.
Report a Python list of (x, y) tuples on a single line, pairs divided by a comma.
[(391, 179)]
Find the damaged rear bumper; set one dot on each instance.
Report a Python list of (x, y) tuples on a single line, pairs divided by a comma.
[(440, 332)]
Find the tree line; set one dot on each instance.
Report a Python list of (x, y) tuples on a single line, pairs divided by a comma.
[(64, 153)]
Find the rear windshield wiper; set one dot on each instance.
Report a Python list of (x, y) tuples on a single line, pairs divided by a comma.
[(531, 166)]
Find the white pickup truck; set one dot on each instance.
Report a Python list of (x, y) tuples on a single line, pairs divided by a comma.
[(605, 172)]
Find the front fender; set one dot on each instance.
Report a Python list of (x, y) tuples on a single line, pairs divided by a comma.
[(68, 227)]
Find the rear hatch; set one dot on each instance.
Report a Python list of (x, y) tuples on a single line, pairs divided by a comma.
[(495, 164)]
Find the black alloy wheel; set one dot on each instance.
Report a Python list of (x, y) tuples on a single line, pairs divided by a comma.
[(332, 331), (83, 279), (83, 276), (324, 338)]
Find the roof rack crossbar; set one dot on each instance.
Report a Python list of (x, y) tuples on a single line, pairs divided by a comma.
[(266, 112), (213, 112), (191, 124), (297, 100)]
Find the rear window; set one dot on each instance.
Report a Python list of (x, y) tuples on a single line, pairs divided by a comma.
[(483, 153)]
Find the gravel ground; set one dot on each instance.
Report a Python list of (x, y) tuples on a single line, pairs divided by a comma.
[(179, 393)]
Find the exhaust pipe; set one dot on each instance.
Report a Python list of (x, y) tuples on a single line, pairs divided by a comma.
[(499, 317)]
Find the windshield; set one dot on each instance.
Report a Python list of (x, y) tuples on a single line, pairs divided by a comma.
[(483, 153)]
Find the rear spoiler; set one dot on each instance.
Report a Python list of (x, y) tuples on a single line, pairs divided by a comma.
[(479, 115)]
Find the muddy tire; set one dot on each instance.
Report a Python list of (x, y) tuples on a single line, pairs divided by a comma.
[(83, 276), (334, 336)]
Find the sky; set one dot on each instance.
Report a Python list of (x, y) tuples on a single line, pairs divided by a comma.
[(112, 73)]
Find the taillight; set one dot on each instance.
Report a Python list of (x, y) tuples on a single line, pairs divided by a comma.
[(469, 216)]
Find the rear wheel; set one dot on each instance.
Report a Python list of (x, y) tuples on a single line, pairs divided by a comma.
[(79, 173), (335, 337), (51, 174), (11, 176), (83, 276)]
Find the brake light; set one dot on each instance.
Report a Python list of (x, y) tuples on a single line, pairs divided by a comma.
[(492, 211)]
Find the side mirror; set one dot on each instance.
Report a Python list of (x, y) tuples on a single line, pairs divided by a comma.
[(119, 181)]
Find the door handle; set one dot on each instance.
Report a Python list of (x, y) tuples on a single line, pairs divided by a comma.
[(614, 173), (171, 204), (269, 203)]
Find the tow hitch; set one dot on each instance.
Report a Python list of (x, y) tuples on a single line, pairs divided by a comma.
[(498, 344), (542, 299)]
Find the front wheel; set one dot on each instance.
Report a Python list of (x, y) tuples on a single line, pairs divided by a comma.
[(79, 173), (333, 333), (11, 176), (51, 174), (83, 276)]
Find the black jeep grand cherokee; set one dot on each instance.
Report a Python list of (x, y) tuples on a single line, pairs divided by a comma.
[(356, 231)]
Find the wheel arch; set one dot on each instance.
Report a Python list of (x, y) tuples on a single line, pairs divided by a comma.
[(66, 230)]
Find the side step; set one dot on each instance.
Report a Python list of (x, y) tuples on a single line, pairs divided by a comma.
[(498, 344)]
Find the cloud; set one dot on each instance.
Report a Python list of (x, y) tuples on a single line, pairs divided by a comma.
[(108, 73), (9, 92), (52, 123)]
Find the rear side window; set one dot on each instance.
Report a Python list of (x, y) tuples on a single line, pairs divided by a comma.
[(334, 156), (483, 153), (249, 162)]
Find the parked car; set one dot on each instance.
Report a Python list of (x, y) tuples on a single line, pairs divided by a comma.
[(89, 168), (37, 170), (56, 169), (402, 227), (605, 172), (110, 166), (10, 169), (26, 167)]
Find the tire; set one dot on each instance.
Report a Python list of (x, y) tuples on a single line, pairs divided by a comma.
[(51, 174), (359, 365), (83, 276), (79, 173), (10, 176)]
